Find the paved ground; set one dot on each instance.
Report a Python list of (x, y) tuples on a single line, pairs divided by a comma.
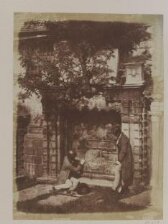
[(37, 199)]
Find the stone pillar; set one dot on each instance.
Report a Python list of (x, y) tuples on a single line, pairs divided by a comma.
[(157, 153), (45, 150), (132, 127), (58, 139), (51, 146)]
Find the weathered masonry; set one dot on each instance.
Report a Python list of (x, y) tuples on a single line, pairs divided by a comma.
[(86, 131)]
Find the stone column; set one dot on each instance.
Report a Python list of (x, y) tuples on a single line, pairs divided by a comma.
[(157, 153), (51, 147), (131, 126)]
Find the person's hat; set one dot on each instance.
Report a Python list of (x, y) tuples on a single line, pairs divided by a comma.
[(83, 189)]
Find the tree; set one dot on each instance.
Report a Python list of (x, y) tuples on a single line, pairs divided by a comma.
[(70, 58)]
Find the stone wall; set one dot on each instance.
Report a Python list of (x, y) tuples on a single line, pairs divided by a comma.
[(47, 142), (33, 148), (93, 140), (22, 117)]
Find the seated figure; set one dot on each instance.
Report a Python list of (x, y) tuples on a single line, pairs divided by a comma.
[(70, 173)]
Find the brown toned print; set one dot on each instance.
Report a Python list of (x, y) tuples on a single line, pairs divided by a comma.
[(88, 116)]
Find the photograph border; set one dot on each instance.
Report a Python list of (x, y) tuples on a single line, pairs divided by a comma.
[(7, 89)]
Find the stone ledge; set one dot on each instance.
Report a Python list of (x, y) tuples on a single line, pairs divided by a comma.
[(89, 181), (96, 182), (47, 180)]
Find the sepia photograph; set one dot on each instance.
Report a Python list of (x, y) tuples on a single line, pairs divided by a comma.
[(88, 117)]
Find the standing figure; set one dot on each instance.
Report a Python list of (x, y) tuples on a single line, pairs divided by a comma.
[(125, 158), (70, 173)]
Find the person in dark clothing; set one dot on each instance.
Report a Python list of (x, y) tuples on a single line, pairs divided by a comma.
[(125, 157)]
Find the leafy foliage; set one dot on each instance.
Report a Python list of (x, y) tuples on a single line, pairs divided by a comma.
[(70, 58)]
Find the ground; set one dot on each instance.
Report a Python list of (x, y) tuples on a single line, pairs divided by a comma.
[(37, 199)]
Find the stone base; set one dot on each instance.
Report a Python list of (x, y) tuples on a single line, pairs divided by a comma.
[(46, 180), (96, 182), (89, 181)]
